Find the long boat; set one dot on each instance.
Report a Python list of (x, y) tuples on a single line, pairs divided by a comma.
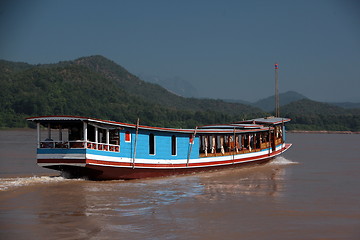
[(108, 150)]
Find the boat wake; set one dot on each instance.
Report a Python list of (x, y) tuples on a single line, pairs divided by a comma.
[(281, 161), (11, 183)]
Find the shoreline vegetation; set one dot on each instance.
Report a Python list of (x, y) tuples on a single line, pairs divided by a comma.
[(100, 88), (322, 132)]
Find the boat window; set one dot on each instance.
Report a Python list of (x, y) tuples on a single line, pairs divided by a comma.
[(114, 137), (127, 136), (75, 133), (173, 145), (227, 144), (152, 144), (101, 135), (91, 133), (258, 140), (251, 142)]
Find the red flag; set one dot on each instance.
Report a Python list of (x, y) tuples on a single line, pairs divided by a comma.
[(276, 66)]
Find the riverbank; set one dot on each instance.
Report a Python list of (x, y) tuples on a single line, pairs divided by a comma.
[(323, 132)]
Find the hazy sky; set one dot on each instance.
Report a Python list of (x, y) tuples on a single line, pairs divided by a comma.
[(226, 49)]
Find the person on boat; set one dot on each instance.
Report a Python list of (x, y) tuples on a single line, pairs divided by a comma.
[(206, 145), (48, 143), (222, 150), (213, 144)]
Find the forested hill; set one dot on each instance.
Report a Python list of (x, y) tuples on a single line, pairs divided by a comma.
[(267, 104), (97, 87), (156, 94), (311, 115)]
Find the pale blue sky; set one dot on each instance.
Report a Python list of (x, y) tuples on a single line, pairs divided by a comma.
[(226, 49)]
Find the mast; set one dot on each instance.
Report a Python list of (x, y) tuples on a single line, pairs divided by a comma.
[(277, 100), (136, 138), (191, 144)]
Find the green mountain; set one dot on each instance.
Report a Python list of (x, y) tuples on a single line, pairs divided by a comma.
[(348, 105), (153, 93), (175, 85), (267, 104), (311, 115), (97, 87), (238, 101)]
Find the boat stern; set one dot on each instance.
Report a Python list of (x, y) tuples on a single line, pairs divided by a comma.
[(70, 162), (52, 157)]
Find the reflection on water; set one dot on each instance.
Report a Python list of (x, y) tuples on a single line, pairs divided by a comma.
[(141, 197), (256, 183), (268, 179)]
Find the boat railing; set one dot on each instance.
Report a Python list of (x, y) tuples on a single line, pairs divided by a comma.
[(232, 152), (241, 150), (80, 144), (103, 146)]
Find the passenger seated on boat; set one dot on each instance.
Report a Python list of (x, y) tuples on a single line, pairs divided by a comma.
[(251, 143), (206, 146), (237, 145), (48, 143), (231, 145), (61, 145), (74, 134), (222, 150), (246, 145), (213, 144)]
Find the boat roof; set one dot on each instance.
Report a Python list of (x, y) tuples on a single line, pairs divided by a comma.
[(245, 126), (101, 123), (231, 126), (267, 120)]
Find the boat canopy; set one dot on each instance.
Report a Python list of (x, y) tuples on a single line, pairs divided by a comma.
[(105, 124), (266, 121), (258, 124), (231, 128)]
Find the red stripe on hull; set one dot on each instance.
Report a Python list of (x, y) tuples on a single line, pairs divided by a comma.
[(121, 173), (204, 164), (171, 166), (62, 161)]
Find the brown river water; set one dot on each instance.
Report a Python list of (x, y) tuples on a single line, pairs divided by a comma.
[(311, 192)]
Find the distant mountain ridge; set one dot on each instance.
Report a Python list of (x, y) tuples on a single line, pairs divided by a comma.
[(98, 87), (311, 115), (267, 104), (154, 93), (348, 105), (175, 85)]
